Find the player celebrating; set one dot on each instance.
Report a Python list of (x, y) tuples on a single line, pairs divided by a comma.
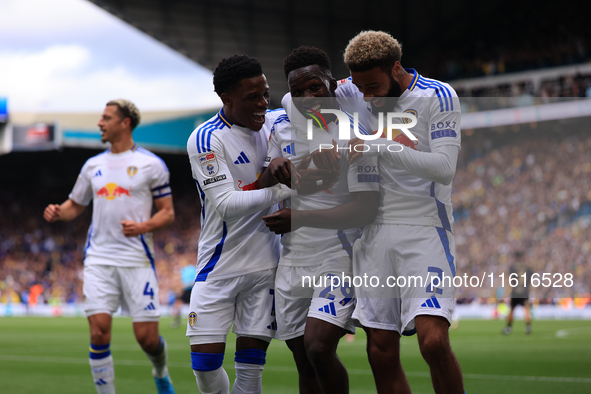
[(323, 226), (412, 234), (119, 267), (237, 256)]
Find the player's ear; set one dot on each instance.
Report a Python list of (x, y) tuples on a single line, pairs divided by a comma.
[(396, 69), (126, 122), (333, 84), (226, 99)]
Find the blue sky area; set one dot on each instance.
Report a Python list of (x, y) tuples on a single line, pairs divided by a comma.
[(72, 56)]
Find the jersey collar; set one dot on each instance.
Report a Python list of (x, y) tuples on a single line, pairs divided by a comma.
[(414, 79), (224, 119)]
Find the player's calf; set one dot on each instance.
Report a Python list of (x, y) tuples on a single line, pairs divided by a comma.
[(432, 332), (101, 366), (159, 359), (211, 376), (321, 340), (383, 352)]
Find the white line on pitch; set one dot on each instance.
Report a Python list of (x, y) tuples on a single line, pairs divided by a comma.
[(277, 368)]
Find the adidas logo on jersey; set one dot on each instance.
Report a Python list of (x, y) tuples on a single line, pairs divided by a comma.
[(98, 173), (330, 309), (431, 303), (290, 149), (150, 307), (242, 159)]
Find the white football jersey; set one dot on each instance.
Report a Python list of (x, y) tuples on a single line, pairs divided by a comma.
[(302, 246), (406, 198), (121, 186), (223, 153)]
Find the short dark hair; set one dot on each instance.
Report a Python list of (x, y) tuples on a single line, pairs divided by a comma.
[(371, 49), (230, 71), (127, 109), (306, 56), (519, 254)]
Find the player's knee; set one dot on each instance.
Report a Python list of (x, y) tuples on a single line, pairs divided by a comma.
[(380, 355), (383, 343), (149, 343), (100, 336), (433, 347), (318, 351)]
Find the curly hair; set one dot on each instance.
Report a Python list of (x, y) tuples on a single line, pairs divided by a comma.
[(127, 109), (230, 71), (370, 49), (306, 56)]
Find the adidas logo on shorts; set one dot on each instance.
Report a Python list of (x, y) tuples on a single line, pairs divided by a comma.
[(431, 303)]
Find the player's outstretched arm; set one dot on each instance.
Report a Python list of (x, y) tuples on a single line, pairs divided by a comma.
[(358, 212), (438, 165), (65, 212), (162, 218)]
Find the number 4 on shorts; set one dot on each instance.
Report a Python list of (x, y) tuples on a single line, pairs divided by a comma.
[(148, 290)]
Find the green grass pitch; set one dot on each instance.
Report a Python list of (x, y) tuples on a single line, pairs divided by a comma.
[(50, 355)]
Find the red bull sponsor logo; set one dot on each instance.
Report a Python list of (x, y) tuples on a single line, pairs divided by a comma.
[(112, 190), (402, 139), (250, 186)]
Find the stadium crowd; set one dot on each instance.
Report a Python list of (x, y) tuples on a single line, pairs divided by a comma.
[(517, 56), (42, 262), (529, 195), (523, 94), (507, 196)]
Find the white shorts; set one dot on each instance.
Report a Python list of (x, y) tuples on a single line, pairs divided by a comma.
[(135, 289), (404, 259), (246, 301), (327, 300)]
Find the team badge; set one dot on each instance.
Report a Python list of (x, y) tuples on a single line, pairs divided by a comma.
[(131, 170), (410, 111), (209, 164), (192, 319)]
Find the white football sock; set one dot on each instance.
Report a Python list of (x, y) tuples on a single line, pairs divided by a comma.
[(249, 379), (159, 362), (103, 374), (213, 382)]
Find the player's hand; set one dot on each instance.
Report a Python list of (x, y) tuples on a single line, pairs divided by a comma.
[(52, 213), (284, 172), (328, 159), (280, 221), (132, 229), (314, 180), (353, 154)]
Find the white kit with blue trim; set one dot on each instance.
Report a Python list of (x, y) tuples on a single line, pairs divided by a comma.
[(289, 140), (226, 158), (121, 186), (406, 198)]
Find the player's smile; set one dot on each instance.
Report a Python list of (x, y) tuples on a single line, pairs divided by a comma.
[(310, 86), (259, 117), (376, 85), (249, 102)]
